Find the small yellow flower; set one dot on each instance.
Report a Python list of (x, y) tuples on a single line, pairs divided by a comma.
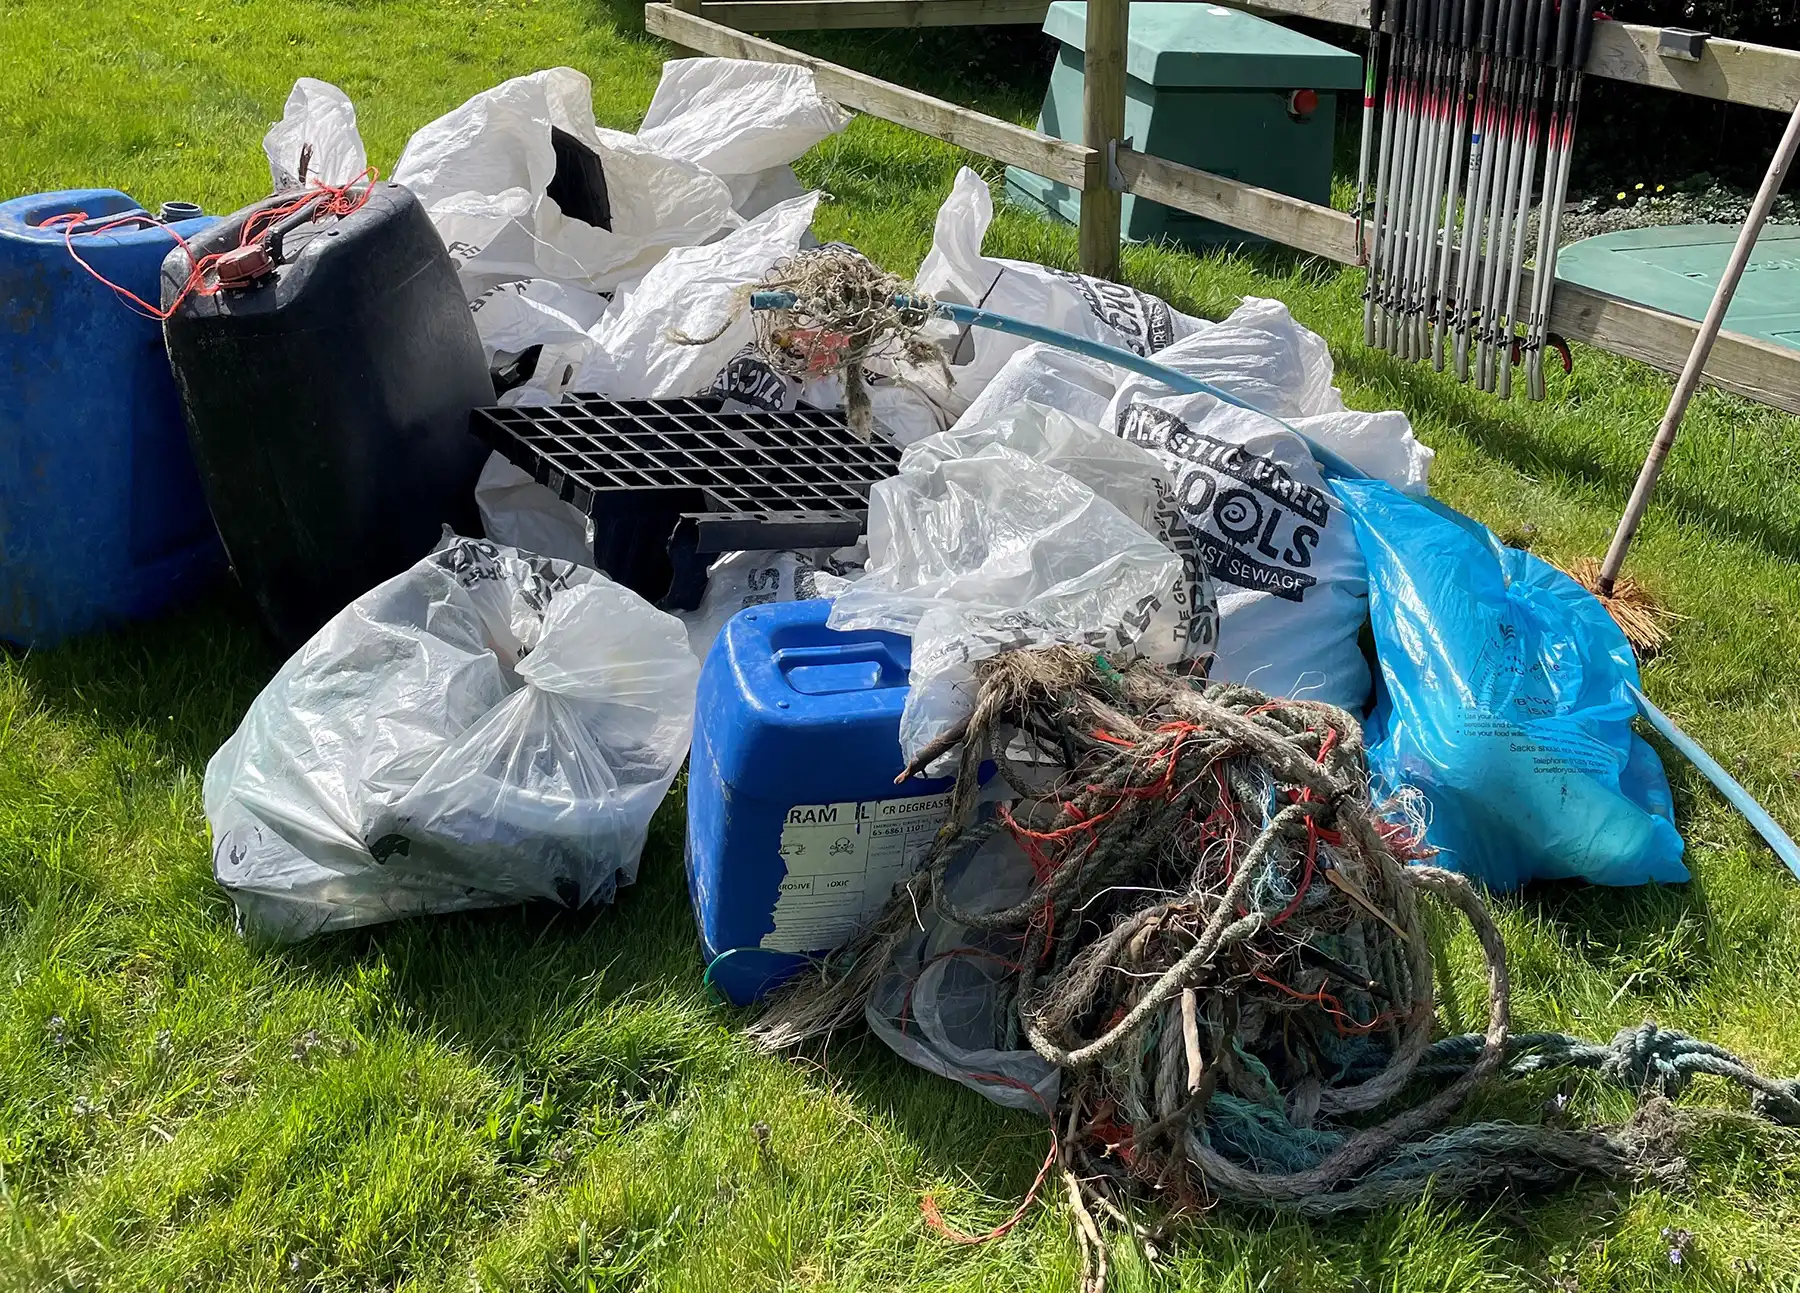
[(1621, 197), (1640, 188), (1660, 187)]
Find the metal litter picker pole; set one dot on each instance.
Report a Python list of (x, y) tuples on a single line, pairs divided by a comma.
[(1371, 80), (1697, 357)]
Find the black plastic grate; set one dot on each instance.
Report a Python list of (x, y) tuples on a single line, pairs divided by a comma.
[(741, 463), (671, 482)]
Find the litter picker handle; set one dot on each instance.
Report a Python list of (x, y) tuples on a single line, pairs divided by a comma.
[(1546, 33), (1515, 30), (1471, 24), (1584, 34), (1490, 22), (1568, 14)]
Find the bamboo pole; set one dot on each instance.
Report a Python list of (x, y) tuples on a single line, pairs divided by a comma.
[(1103, 122), (1697, 357)]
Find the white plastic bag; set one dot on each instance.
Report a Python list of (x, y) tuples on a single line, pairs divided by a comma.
[(1266, 358), (1293, 591), (513, 317), (486, 727), (1261, 355), (482, 172), (744, 121), (671, 331), (1057, 379), (977, 547), (320, 114), (737, 581), (955, 270), (517, 512)]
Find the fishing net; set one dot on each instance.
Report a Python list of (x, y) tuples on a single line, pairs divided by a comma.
[(1224, 950), (846, 311)]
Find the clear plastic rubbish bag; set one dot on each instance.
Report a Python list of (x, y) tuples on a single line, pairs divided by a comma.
[(1027, 531), (489, 726), (944, 1001)]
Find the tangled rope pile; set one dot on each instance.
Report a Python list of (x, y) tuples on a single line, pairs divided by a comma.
[(1225, 953), (844, 314)]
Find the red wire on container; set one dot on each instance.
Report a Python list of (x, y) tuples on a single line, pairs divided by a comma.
[(329, 199)]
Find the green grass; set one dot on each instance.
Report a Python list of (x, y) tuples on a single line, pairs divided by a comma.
[(535, 1100)]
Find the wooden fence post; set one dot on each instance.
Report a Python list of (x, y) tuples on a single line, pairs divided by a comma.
[(1103, 121)]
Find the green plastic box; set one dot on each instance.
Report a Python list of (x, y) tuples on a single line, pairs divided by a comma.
[(1212, 88)]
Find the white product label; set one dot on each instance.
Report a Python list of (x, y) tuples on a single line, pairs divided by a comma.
[(843, 861)]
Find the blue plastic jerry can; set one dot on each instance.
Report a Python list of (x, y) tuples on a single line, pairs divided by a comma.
[(102, 519), (797, 833)]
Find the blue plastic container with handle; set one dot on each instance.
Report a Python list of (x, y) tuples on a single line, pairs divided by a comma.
[(102, 519), (797, 833)]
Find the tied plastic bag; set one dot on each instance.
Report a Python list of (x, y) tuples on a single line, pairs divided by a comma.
[(743, 121), (487, 727), (319, 114), (955, 270), (1030, 530), (1508, 704), (484, 173)]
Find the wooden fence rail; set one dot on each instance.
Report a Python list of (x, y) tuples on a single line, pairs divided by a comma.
[(1741, 73)]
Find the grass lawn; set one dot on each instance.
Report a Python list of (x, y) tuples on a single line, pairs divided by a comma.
[(535, 1100)]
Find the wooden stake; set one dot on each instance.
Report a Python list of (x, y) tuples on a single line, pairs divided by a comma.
[(1103, 123), (1696, 361)]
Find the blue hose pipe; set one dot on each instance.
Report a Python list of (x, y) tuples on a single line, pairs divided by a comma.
[(969, 317), (1722, 781)]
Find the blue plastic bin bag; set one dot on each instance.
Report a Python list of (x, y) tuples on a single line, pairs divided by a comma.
[(1507, 704)]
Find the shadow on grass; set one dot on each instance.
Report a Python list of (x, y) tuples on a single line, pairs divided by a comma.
[(1659, 928), (183, 679), (1506, 434), (605, 1008)]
